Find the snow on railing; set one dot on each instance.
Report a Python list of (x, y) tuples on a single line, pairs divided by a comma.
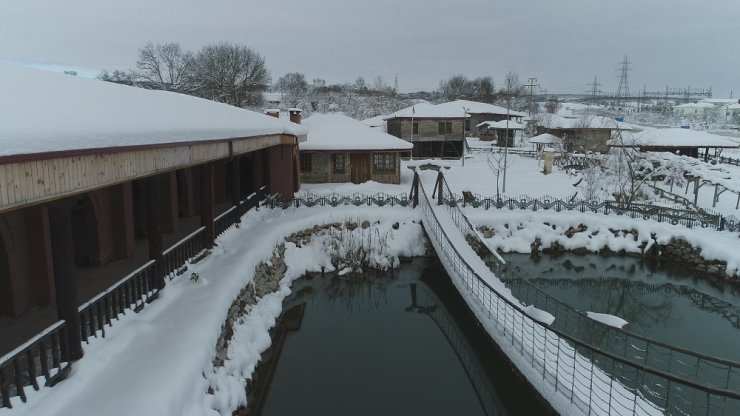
[(591, 381), (42, 358), (333, 200)]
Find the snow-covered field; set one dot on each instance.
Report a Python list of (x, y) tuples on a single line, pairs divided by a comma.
[(159, 361)]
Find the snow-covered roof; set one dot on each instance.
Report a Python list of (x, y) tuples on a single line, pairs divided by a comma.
[(719, 100), (695, 105), (545, 138), (554, 121), (673, 137), (338, 132), (376, 121), (502, 124), (474, 107), (425, 110), (42, 111)]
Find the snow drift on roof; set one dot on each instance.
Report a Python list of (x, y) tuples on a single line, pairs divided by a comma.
[(376, 121), (545, 138), (673, 137), (475, 107), (426, 110), (42, 111), (553, 121), (511, 125), (339, 132)]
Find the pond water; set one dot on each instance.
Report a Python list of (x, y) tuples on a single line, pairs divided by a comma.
[(663, 301), (395, 343)]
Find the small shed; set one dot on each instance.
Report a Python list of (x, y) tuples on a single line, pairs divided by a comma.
[(542, 141), (342, 149), (499, 131), (675, 140)]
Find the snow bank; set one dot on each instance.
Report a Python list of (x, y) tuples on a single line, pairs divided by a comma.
[(515, 231), (154, 362)]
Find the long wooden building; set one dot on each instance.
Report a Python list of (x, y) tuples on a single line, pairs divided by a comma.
[(97, 179)]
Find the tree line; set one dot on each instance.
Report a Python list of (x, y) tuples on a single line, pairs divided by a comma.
[(237, 75), (225, 72)]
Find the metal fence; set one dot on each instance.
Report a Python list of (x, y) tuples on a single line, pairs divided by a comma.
[(687, 218), (594, 380), (334, 200)]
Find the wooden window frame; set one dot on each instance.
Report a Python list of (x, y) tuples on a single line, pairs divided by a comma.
[(415, 127), (306, 162), (384, 163), (444, 127), (336, 157)]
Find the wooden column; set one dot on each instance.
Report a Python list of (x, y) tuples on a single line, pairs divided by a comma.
[(235, 181), (154, 226), (207, 209), (65, 282)]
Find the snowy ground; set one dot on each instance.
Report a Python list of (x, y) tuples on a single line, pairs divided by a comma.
[(154, 362)]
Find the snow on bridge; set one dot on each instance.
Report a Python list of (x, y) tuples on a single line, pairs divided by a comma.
[(574, 377)]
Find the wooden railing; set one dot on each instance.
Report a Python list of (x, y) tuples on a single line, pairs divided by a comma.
[(131, 292), (45, 355)]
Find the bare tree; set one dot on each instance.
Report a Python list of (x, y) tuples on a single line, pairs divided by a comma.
[(512, 94), (294, 86), (162, 67), (229, 73), (498, 163)]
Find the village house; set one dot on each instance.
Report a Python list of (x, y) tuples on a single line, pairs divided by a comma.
[(680, 141), (586, 133), (341, 149), (499, 131), (479, 113), (98, 179), (434, 131)]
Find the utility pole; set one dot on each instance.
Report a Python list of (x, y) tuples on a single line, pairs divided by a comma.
[(623, 90), (531, 83), (594, 90)]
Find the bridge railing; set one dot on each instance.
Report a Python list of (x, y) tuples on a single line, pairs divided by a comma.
[(594, 380), (681, 362)]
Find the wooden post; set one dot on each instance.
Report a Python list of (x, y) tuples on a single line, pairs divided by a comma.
[(65, 282), (696, 189), (440, 191), (207, 209), (153, 189), (236, 193), (714, 200)]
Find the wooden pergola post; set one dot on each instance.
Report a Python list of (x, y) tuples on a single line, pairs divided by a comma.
[(207, 209), (65, 281), (153, 190)]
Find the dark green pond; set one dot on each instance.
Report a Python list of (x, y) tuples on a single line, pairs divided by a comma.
[(665, 301), (396, 343)]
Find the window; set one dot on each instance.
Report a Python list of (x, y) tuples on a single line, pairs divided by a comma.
[(337, 163), (305, 162), (416, 128), (445, 127), (384, 162)]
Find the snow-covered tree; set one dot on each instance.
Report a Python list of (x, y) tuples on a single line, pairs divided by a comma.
[(163, 66)]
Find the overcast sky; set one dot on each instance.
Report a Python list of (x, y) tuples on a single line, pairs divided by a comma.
[(563, 43)]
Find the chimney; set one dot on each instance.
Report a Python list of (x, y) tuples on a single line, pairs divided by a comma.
[(295, 115), (274, 112)]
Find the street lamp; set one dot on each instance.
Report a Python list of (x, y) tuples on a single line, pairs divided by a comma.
[(464, 141), (506, 146)]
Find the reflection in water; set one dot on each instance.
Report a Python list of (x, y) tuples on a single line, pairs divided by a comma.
[(388, 344), (662, 302)]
